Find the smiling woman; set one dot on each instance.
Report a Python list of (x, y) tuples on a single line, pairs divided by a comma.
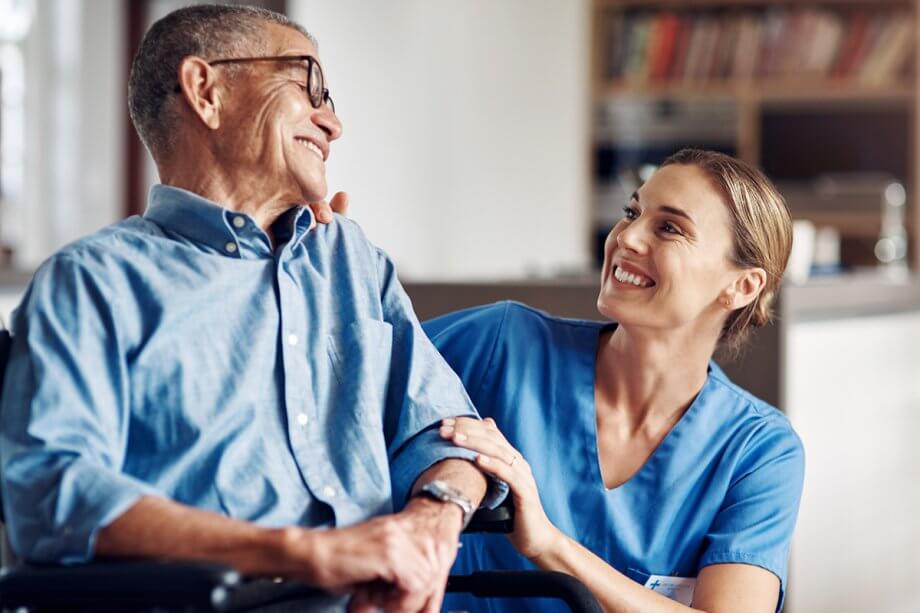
[(635, 463)]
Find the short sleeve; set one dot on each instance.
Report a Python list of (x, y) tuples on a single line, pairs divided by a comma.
[(756, 520)]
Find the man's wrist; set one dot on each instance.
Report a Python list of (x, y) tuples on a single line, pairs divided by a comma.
[(447, 513), (294, 550), (442, 492)]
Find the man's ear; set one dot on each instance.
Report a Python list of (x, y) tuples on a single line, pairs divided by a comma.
[(746, 287), (197, 80)]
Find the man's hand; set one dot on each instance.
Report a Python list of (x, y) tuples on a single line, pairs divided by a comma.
[(434, 530), (380, 551), (323, 210)]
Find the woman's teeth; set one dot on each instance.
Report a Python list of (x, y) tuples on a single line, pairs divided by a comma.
[(628, 277)]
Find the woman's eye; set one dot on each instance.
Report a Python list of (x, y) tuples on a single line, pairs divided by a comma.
[(670, 228), (629, 212)]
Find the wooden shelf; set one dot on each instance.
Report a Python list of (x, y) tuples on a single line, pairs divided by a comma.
[(859, 224), (720, 4), (753, 97), (768, 90)]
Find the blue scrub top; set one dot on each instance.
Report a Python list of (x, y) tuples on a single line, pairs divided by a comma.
[(722, 487)]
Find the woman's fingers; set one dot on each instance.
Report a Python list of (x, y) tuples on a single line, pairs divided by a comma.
[(339, 203), (480, 437)]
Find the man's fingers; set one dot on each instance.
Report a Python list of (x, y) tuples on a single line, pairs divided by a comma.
[(339, 203), (409, 564), (360, 602), (445, 555)]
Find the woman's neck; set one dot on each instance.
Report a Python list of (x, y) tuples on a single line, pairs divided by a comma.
[(648, 377)]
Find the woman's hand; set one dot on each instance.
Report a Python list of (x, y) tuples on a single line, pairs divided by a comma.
[(323, 210), (533, 533)]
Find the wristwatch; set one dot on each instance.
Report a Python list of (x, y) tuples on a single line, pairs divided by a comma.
[(440, 490)]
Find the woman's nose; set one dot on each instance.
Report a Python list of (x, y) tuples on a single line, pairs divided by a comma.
[(632, 237)]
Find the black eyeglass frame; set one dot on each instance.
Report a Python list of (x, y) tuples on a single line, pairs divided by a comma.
[(316, 101)]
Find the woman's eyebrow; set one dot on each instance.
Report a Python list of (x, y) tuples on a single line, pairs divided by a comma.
[(673, 210), (667, 208)]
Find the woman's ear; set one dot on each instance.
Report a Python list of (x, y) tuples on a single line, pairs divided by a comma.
[(746, 287), (197, 80)]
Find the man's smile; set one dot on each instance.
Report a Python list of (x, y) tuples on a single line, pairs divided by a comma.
[(312, 147)]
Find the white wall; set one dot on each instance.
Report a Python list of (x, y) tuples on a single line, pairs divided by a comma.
[(853, 395), (465, 148), (75, 84)]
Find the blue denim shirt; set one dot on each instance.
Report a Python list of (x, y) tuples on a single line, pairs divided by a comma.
[(179, 354)]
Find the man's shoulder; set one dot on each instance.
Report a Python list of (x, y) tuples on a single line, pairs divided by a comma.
[(98, 254), (342, 228)]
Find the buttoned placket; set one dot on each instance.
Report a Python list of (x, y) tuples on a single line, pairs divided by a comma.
[(299, 409)]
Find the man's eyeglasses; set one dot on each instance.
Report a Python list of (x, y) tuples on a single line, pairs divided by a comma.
[(316, 83)]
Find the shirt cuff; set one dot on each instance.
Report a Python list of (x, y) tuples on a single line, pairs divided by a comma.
[(423, 451), (66, 533)]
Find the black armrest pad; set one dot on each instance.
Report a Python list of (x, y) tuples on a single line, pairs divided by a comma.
[(118, 585), (500, 519), (527, 583)]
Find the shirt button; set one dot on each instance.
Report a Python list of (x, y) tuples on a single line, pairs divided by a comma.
[(292, 339), (329, 491), (230, 247), (239, 222), (302, 419)]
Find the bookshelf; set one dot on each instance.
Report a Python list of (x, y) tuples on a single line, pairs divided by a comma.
[(767, 57)]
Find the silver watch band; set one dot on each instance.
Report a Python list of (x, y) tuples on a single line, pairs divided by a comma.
[(444, 492)]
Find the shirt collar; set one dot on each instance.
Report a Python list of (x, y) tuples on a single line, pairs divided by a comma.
[(233, 234)]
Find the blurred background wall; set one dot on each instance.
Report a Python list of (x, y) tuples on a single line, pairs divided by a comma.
[(466, 130)]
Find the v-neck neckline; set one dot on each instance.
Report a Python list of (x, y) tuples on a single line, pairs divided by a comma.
[(670, 440)]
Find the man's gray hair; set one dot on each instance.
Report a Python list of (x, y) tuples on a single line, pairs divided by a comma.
[(208, 31)]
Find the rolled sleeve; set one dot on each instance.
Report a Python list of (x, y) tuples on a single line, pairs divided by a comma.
[(63, 423), (425, 450), (423, 390), (64, 528)]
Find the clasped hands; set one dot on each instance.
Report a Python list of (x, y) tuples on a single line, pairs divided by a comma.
[(397, 562)]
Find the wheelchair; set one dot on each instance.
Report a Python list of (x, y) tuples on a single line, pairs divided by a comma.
[(166, 585)]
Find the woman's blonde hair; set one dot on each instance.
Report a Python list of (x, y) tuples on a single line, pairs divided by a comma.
[(761, 228)]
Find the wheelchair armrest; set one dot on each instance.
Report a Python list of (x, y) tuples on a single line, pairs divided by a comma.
[(497, 520), (527, 584), (118, 585)]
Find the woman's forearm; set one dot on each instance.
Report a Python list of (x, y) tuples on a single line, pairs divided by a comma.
[(614, 591)]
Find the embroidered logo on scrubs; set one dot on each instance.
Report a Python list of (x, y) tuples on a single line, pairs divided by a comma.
[(675, 588)]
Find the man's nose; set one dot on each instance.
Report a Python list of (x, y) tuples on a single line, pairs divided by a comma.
[(328, 122)]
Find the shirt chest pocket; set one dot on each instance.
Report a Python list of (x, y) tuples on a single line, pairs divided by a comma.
[(361, 354)]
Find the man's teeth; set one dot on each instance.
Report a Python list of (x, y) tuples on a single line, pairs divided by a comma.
[(627, 277), (312, 147)]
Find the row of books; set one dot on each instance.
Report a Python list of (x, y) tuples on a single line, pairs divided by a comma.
[(791, 43)]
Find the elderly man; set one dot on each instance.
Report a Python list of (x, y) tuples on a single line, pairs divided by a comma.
[(222, 377)]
